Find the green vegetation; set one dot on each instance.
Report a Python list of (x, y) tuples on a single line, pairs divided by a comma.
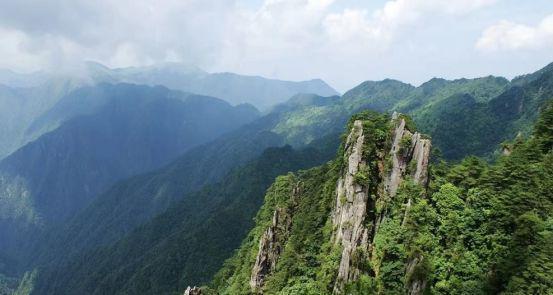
[(187, 243), (301, 268), (109, 132), (119, 239), (479, 228), (405, 144), (27, 284), (463, 117)]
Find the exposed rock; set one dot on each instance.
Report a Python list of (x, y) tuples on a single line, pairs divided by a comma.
[(421, 158), (418, 153), (409, 160), (355, 227), (506, 150), (193, 291), (415, 285), (271, 244), (351, 208)]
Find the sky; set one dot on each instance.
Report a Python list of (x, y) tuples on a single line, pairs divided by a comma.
[(343, 42)]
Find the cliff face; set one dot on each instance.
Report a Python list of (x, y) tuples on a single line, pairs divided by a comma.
[(352, 203), (407, 149), (356, 216), (324, 236)]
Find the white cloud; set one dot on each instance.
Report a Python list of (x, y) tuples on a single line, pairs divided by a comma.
[(384, 24), (507, 35), (290, 39), (14, 54), (118, 33)]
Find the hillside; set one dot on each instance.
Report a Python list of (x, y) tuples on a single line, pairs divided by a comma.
[(124, 135), (463, 117), (209, 222), (303, 120), (342, 228), (26, 100)]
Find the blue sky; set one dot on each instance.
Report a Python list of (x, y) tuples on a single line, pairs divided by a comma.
[(341, 41)]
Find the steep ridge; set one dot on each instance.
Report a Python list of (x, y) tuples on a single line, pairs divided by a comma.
[(357, 219), (355, 193), (346, 228)]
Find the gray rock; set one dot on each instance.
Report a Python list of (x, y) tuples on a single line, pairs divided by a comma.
[(351, 208), (193, 291), (354, 228), (418, 152), (271, 245)]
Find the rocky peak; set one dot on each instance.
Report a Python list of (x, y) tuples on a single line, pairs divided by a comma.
[(407, 149), (271, 244), (355, 217), (351, 207)]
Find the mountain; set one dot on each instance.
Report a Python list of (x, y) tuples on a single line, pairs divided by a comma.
[(463, 117), (372, 222), (321, 223), (25, 98), (121, 209), (133, 201), (261, 92), (426, 104), (127, 130)]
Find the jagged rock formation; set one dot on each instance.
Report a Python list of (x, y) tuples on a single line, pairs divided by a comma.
[(355, 217), (367, 223), (407, 148), (193, 291), (351, 206), (333, 232), (271, 244)]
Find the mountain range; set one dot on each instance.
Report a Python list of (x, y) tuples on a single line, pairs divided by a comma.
[(143, 189), (115, 131)]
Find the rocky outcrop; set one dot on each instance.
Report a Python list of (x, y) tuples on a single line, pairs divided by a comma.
[(193, 291), (271, 245), (421, 158), (354, 216), (351, 208), (407, 150), (410, 154)]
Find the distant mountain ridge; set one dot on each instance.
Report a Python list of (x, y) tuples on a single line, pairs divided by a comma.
[(25, 98), (128, 129), (234, 88)]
